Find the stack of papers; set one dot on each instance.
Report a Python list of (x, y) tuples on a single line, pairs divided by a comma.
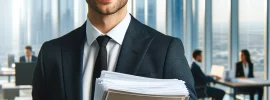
[(118, 86)]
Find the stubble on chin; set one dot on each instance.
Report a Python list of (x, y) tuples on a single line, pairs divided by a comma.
[(108, 11)]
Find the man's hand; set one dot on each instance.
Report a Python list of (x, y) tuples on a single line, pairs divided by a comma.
[(217, 78)]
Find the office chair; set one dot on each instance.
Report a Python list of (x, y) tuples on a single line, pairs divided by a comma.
[(201, 92)]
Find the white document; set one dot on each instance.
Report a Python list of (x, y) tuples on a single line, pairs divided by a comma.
[(139, 85)]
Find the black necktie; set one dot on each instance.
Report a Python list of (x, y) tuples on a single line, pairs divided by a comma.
[(101, 61)]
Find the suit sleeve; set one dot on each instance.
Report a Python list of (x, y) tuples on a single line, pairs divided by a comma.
[(38, 82), (199, 73), (176, 66), (252, 71), (237, 71), (34, 59), (22, 59)]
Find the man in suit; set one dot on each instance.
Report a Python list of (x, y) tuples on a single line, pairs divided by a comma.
[(111, 39), (201, 80), (28, 58)]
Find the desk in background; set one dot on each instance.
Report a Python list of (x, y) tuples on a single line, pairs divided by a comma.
[(237, 83), (23, 98), (7, 72), (10, 91)]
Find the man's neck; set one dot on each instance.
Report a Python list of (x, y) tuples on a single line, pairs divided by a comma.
[(105, 23), (197, 62)]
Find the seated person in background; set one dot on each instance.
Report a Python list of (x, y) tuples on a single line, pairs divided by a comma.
[(244, 69), (28, 58), (201, 80)]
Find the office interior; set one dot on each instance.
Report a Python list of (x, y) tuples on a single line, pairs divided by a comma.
[(220, 28)]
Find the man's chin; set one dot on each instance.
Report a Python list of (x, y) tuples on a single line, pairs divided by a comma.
[(105, 12)]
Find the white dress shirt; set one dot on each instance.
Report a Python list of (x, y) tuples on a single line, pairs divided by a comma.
[(91, 48), (246, 69), (28, 60)]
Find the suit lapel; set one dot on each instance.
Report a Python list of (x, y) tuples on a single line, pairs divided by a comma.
[(242, 69), (72, 60), (250, 66), (135, 45)]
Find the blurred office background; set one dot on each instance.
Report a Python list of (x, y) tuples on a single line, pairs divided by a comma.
[(221, 28)]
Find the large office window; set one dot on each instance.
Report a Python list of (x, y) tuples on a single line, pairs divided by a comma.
[(72, 14), (140, 11), (6, 31), (251, 32), (26, 22), (221, 21), (67, 16), (201, 24), (152, 12), (175, 17), (161, 16), (32, 22)]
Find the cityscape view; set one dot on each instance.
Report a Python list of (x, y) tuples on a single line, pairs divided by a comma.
[(252, 41), (32, 22)]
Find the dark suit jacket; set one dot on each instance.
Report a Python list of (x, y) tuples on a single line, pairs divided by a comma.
[(23, 60), (144, 52), (240, 71), (200, 78)]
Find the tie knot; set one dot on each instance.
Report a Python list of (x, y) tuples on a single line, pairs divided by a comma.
[(103, 40)]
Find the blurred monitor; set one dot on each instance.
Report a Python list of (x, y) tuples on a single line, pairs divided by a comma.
[(24, 73), (10, 59), (217, 71)]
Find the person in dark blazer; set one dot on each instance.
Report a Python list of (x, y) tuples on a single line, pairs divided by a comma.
[(244, 69), (201, 80), (28, 58), (113, 40)]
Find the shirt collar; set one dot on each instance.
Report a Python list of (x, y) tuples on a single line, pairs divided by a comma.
[(27, 58), (246, 65), (117, 33), (198, 63)]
